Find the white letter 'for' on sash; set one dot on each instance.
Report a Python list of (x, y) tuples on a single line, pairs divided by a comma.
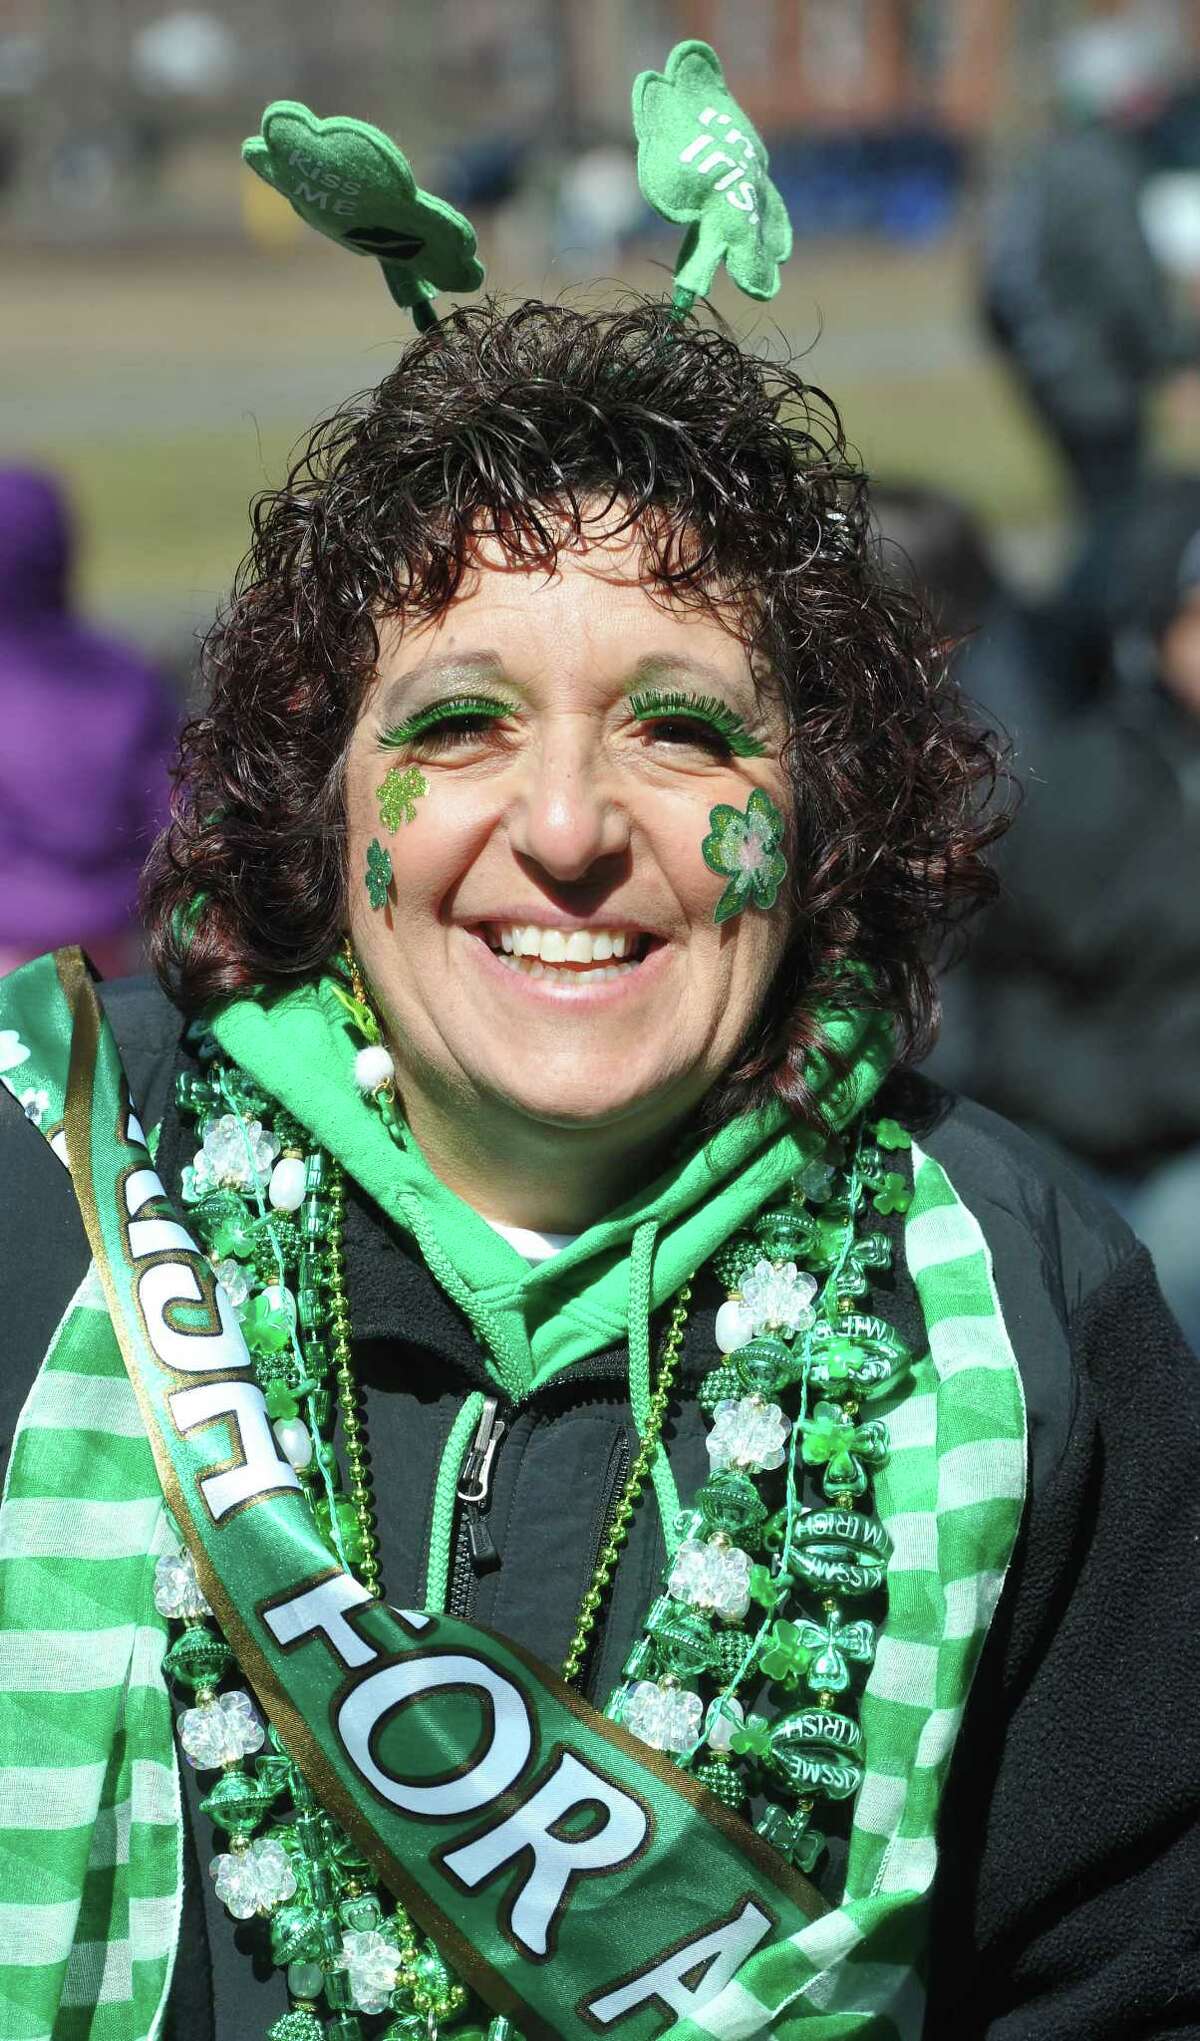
[(503, 1760), (557, 1859)]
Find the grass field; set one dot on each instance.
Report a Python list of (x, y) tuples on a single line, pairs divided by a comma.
[(167, 386)]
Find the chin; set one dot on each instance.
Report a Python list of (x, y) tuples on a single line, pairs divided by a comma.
[(574, 1108)]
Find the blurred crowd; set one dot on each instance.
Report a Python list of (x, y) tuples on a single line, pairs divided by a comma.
[(1077, 1009)]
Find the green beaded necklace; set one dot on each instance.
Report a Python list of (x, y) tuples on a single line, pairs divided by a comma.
[(269, 1209)]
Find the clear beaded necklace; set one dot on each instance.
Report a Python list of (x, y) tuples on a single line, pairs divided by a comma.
[(799, 1356)]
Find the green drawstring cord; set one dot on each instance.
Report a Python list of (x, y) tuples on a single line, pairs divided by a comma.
[(641, 1266), (449, 1474)]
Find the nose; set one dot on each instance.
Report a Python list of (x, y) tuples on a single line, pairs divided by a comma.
[(566, 816)]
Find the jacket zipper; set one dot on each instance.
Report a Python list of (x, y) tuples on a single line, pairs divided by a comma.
[(474, 1547), (618, 1474)]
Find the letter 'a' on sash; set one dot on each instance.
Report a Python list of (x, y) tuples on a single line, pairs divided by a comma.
[(577, 1879)]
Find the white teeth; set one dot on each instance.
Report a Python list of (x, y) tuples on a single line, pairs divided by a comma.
[(555, 946), (533, 967)]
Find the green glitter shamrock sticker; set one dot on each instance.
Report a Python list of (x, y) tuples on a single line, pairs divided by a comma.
[(745, 850), (398, 795), (350, 181), (379, 873), (702, 165)]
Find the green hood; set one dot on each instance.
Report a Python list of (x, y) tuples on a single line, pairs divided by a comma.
[(535, 1321)]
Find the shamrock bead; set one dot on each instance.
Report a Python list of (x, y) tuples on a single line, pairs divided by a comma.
[(665, 1717), (748, 1434), (844, 1448), (890, 1134), (713, 1576), (787, 1656), (778, 1297), (892, 1194), (253, 1878), (372, 1963), (832, 1646), (177, 1592), (791, 1836)]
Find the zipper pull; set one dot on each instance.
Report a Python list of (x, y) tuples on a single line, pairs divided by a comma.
[(475, 1486)]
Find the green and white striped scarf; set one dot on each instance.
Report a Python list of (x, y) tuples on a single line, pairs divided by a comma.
[(90, 1822)]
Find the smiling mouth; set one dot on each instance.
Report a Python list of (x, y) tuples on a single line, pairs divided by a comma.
[(594, 954)]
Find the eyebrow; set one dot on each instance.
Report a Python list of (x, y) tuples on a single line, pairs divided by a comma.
[(472, 667)]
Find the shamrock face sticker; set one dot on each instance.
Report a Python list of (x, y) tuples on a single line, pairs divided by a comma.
[(351, 182), (378, 874), (701, 164), (398, 795), (745, 850)]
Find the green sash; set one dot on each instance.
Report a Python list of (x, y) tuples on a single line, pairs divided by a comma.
[(517, 1824)]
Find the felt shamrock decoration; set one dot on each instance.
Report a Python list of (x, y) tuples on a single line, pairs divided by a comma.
[(745, 850), (702, 165), (351, 182)]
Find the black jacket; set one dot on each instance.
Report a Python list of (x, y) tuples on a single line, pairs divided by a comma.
[(1077, 1011), (1072, 289), (1065, 1903)]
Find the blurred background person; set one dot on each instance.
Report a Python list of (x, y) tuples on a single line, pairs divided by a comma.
[(86, 733), (1078, 1010), (1074, 292)]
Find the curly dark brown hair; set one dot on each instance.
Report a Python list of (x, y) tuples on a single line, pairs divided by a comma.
[(535, 424)]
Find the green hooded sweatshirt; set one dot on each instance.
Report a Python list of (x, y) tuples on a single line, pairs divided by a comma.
[(602, 1289)]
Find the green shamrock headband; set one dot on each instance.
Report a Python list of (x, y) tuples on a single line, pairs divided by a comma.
[(700, 164), (351, 182)]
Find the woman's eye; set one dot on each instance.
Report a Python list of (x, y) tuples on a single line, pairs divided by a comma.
[(445, 733), (678, 730), (453, 730)]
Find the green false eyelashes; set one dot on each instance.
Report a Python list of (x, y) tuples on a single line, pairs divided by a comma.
[(378, 876), (431, 721), (745, 850), (657, 705)]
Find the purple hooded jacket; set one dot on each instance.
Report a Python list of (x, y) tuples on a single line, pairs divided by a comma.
[(87, 731)]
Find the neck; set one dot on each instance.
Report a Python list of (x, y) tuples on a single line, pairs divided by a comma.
[(552, 1179)]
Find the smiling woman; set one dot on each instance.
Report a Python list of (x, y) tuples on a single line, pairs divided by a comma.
[(662, 1469)]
